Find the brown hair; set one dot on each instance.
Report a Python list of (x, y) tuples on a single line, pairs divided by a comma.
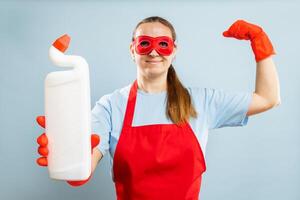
[(179, 105)]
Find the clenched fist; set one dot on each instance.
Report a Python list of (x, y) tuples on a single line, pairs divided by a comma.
[(260, 43)]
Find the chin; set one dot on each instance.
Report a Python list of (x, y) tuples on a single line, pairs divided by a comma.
[(153, 73)]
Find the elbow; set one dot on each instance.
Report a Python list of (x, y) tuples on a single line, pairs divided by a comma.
[(275, 103)]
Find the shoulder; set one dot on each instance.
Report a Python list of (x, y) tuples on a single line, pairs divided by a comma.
[(118, 95), (200, 93), (194, 91), (210, 93), (204, 96), (198, 96)]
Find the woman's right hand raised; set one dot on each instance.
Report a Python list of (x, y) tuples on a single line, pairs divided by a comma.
[(42, 140)]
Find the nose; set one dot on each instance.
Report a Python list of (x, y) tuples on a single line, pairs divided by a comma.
[(153, 53)]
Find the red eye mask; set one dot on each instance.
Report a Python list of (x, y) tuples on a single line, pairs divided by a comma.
[(144, 45)]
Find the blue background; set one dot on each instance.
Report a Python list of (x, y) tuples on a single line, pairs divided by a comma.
[(260, 161)]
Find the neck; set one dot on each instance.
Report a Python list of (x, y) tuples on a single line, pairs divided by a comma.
[(152, 85)]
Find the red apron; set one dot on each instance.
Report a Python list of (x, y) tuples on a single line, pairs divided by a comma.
[(156, 162)]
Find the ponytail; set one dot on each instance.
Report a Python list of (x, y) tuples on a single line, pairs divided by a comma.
[(179, 105)]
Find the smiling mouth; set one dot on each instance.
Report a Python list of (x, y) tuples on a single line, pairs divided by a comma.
[(153, 61)]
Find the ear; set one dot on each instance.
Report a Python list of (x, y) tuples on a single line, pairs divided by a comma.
[(175, 50), (175, 47), (131, 49), (174, 53)]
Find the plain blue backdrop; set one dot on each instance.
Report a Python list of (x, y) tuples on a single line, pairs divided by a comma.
[(257, 162)]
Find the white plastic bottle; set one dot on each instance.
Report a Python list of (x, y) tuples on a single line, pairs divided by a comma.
[(68, 115)]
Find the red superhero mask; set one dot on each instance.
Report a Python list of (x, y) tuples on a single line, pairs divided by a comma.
[(163, 45)]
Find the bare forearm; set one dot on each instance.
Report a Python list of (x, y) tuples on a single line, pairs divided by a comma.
[(267, 82)]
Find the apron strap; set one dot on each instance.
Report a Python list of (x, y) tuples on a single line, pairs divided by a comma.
[(130, 105)]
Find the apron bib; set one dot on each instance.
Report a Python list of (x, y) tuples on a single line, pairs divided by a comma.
[(156, 162)]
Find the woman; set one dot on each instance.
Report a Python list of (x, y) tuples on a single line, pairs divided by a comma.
[(156, 129)]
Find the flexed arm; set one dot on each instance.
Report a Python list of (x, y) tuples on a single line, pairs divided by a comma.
[(267, 90)]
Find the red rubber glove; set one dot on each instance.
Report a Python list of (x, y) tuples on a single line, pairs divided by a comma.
[(260, 43), (42, 140)]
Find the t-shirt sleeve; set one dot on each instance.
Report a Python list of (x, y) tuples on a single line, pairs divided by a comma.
[(101, 122), (225, 108)]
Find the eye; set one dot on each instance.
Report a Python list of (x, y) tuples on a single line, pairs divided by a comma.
[(144, 43), (163, 44)]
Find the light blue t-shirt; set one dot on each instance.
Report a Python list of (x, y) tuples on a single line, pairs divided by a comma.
[(216, 108)]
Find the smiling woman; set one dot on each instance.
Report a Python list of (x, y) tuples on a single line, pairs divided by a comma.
[(156, 129)]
